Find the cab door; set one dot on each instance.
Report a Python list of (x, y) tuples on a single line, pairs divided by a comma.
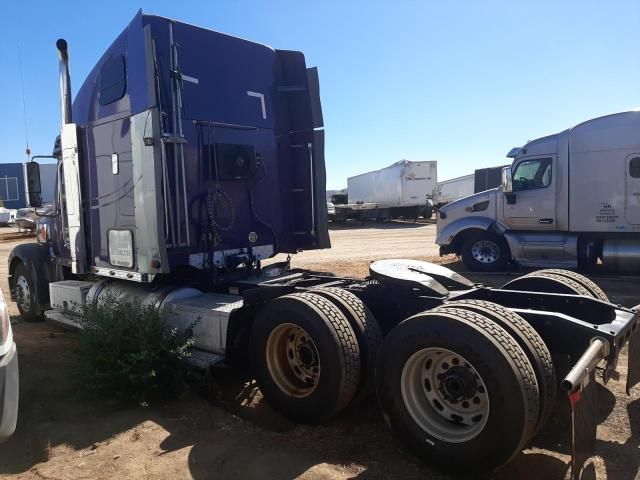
[(632, 201), (532, 203)]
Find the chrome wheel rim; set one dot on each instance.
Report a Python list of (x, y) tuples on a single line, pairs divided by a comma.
[(445, 395), (23, 293), (292, 360), (485, 251)]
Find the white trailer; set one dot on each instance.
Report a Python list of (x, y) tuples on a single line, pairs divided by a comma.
[(453, 189), (402, 189)]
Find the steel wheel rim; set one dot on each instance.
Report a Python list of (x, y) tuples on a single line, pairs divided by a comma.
[(292, 360), (445, 395), (24, 293), (485, 251)]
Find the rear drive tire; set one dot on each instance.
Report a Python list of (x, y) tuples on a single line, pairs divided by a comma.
[(27, 300), (485, 252), (437, 365), (367, 333), (305, 357), (529, 340), (592, 287), (547, 282)]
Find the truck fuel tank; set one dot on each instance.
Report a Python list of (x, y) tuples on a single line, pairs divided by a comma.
[(157, 296), (622, 255), (206, 315)]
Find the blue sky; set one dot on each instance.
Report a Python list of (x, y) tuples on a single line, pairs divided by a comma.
[(460, 82)]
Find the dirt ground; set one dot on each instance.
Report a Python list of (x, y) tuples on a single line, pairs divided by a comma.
[(230, 433)]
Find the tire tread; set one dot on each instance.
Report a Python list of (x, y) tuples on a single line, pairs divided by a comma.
[(517, 358), (366, 329), (531, 342), (593, 288), (347, 340)]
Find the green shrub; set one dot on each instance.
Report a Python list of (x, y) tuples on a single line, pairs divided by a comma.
[(126, 351)]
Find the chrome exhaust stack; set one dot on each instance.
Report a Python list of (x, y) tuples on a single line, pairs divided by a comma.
[(65, 82)]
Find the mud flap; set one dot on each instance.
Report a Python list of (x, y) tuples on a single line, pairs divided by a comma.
[(633, 365), (584, 405)]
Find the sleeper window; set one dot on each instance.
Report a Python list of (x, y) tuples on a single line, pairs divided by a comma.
[(113, 81), (634, 167)]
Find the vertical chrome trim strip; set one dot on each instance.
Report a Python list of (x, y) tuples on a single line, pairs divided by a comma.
[(313, 202), (174, 128), (73, 193), (167, 203), (184, 189), (178, 151), (26, 186)]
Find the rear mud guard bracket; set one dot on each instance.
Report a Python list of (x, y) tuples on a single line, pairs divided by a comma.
[(580, 384), (584, 409), (633, 365)]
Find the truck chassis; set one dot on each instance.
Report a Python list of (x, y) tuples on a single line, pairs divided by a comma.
[(466, 375)]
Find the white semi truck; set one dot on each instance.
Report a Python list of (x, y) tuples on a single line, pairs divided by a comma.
[(402, 189), (568, 200)]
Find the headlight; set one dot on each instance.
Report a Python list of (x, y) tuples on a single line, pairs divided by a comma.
[(6, 336)]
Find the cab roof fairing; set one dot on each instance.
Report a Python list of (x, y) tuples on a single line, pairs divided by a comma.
[(130, 44), (255, 68), (602, 121)]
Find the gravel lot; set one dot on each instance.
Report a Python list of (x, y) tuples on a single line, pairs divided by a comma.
[(229, 433)]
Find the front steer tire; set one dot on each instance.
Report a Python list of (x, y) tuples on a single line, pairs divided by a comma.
[(305, 357), (501, 365), (485, 252), (24, 287)]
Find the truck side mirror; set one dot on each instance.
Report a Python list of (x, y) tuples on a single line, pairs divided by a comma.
[(33, 184), (507, 181)]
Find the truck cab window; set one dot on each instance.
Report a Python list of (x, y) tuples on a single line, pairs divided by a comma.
[(634, 167), (532, 174), (113, 81)]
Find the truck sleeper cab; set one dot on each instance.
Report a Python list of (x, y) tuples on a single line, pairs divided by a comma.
[(174, 164), (569, 200), (179, 178)]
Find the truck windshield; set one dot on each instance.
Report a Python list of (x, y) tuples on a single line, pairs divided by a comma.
[(532, 174)]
